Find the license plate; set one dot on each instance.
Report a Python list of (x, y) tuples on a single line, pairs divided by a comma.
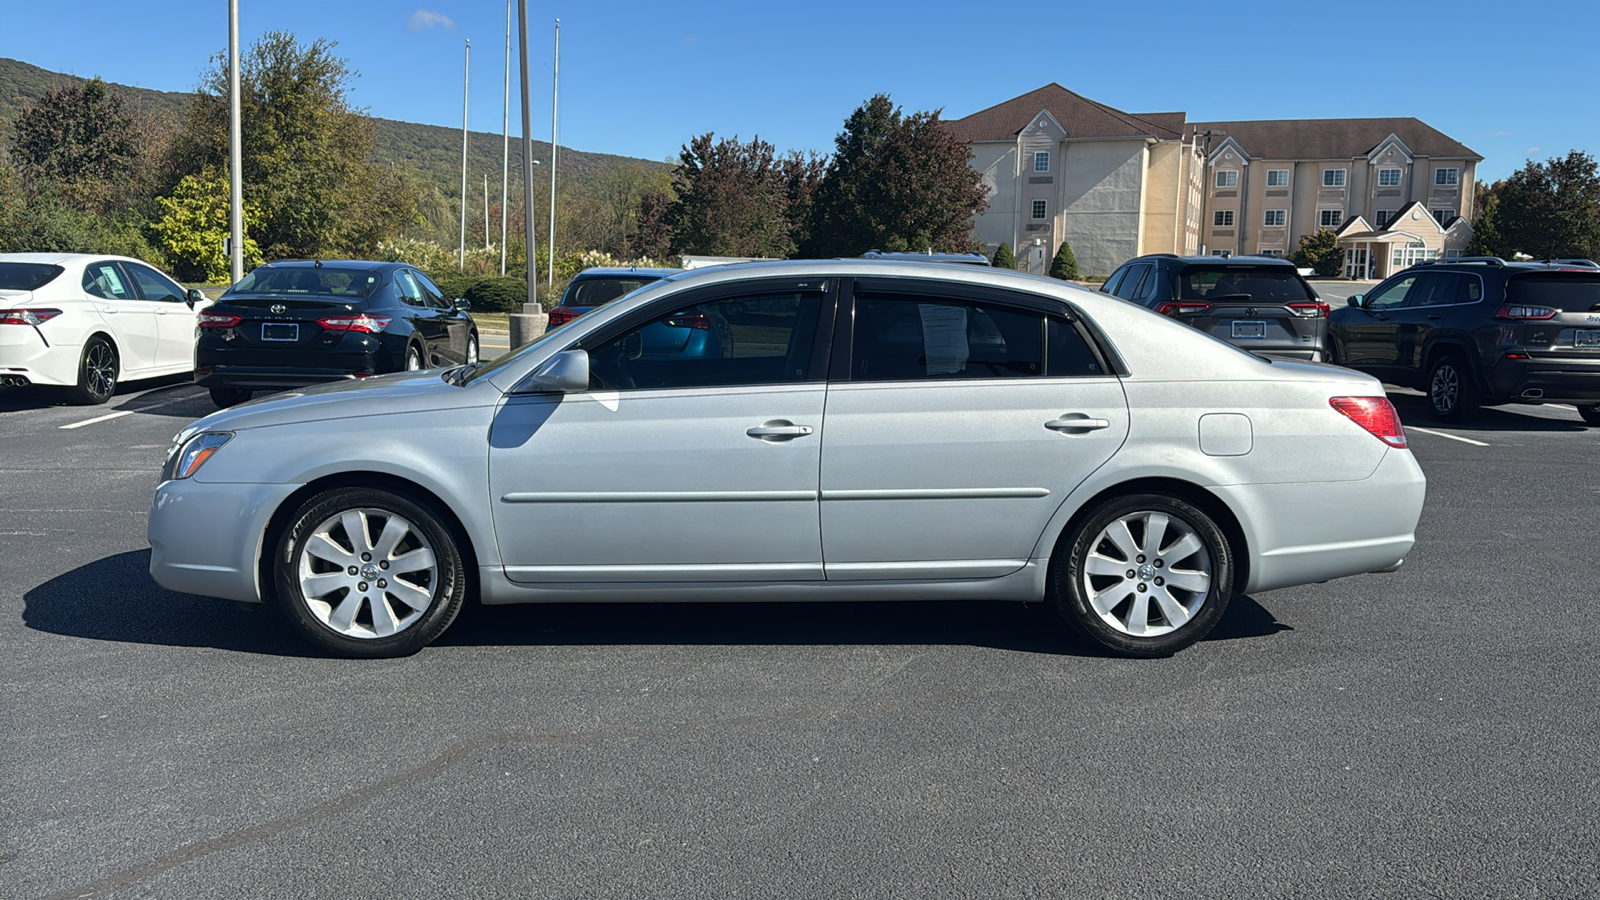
[(1249, 329), (1586, 337), (275, 331)]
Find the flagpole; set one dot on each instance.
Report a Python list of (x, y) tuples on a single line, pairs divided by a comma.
[(505, 143), (466, 70), (555, 93)]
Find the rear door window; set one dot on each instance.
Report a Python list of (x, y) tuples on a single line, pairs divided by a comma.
[(902, 337), (1129, 287), (406, 287), (107, 281)]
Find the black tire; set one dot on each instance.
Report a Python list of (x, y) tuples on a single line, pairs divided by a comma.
[(413, 361), (472, 349), (1330, 351), (1070, 588), (1590, 414), (1452, 397), (440, 594), (225, 397), (98, 366)]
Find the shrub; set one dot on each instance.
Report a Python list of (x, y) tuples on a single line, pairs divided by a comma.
[(1065, 265), (1004, 258), (1320, 252), (496, 294)]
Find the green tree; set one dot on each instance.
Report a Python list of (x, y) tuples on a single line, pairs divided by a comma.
[(193, 229), (732, 200), (84, 141), (1486, 238), (896, 182), (1065, 265), (1320, 252), (305, 151), (1551, 209), (1004, 258)]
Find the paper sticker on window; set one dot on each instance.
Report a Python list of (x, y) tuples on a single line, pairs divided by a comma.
[(944, 338)]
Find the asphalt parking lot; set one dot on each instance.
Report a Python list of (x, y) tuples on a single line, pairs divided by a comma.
[(1426, 733)]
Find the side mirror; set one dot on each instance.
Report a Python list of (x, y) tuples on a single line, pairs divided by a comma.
[(462, 304), (194, 297), (1356, 300), (566, 372)]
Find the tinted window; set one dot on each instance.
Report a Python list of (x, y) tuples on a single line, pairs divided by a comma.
[(105, 279), (152, 284), (1569, 292), (1110, 287), (1440, 289), (326, 281), (1276, 284), (405, 287), (26, 276), (1391, 295), (1151, 287), (1066, 351), (746, 340), (585, 292), (431, 292), (905, 338), (1129, 287)]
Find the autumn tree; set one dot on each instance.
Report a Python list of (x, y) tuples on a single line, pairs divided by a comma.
[(732, 199), (193, 229), (84, 142), (896, 182), (1551, 209), (305, 150)]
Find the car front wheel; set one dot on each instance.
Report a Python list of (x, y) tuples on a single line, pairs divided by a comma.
[(364, 572), (1450, 392), (413, 359), (1143, 575), (472, 350)]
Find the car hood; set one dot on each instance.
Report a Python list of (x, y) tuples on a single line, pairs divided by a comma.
[(404, 392)]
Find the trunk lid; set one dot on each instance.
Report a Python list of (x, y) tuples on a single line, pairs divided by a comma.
[(1558, 313), (275, 323)]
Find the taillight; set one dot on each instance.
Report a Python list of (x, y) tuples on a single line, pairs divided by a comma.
[(1520, 311), (216, 320), (1376, 415), (699, 321), (27, 316), (1182, 308), (363, 323), (561, 315), (1310, 310)]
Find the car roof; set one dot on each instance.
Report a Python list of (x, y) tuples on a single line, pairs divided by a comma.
[(1234, 260), (624, 271), (59, 259), (319, 263), (968, 259)]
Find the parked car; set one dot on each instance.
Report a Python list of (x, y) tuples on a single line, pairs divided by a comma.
[(87, 322), (600, 285), (901, 431), (1260, 303), (296, 323), (1480, 330)]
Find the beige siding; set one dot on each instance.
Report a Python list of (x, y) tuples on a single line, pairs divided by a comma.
[(1164, 189)]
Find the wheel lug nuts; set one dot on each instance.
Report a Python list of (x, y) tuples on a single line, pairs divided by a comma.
[(1159, 582), (1143, 588), (384, 564), (382, 584), (1158, 563), (354, 571), (363, 586), (1132, 573), (366, 557), (1140, 560)]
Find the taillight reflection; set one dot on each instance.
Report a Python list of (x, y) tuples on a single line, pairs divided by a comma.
[(1376, 415), (365, 323), (1310, 310), (216, 320), (1182, 308)]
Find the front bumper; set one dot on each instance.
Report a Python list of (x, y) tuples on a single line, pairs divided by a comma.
[(207, 538)]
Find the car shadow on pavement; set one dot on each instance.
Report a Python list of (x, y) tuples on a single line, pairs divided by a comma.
[(114, 599), (46, 396), (1414, 410)]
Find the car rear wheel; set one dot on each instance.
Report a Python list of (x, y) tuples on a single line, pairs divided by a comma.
[(363, 572), (1451, 395), (97, 373), (1143, 575), (225, 397), (1591, 414), (472, 350)]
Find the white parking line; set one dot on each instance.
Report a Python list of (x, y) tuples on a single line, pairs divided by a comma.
[(1561, 406), (1453, 437)]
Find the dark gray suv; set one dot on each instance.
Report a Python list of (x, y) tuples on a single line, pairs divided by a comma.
[(1480, 330), (1259, 303)]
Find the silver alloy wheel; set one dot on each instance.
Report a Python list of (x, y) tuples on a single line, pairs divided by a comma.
[(472, 351), (1445, 389), (100, 369), (1145, 556), (367, 588), (413, 360)]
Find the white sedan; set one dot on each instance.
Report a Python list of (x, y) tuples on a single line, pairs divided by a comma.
[(87, 322)]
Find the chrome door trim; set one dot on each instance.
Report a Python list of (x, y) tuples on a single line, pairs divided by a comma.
[(656, 496), (714, 572), (939, 494), (940, 569)]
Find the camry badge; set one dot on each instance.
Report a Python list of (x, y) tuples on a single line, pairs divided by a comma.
[(278, 309)]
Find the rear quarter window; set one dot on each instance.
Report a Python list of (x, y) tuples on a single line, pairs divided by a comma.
[(27, 276)]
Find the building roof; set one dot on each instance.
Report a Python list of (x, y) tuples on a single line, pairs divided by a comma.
[(1080, 116), (1336, 138)]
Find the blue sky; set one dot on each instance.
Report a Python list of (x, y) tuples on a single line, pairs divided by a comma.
[(641, 78)]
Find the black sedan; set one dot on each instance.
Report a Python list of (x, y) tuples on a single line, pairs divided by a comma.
[(294, 323)]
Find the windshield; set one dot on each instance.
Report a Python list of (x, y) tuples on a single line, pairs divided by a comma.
[(324, 281), (598, 290), (16, 276), (1277, 284)]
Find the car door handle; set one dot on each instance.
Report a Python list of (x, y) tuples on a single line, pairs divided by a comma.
[(779, 430), (1077, 423), (1435, 318), (109, 310)]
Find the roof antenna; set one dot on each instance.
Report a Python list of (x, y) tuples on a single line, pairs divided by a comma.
[(317, 264)]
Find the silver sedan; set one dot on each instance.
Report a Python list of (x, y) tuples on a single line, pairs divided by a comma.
[(860, 430)]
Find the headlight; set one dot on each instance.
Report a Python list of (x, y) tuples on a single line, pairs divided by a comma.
[(193, 453)]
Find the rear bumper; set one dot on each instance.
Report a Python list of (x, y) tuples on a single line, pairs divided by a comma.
[(24, 354), (274, 377), (1545, 380)]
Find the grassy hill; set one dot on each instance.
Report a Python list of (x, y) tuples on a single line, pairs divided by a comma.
[(431, 152)]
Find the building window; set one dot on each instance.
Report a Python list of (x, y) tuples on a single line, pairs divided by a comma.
[(1277, 178), (1038, 209), (1381, 217), (1222, 218), (1273, 253), (1443, 216), (1447, 176), (1274, 218), (1333, 178), (1388, 178), (1222, 253), (1330, 218), (1041, 161), (1227, 178)]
